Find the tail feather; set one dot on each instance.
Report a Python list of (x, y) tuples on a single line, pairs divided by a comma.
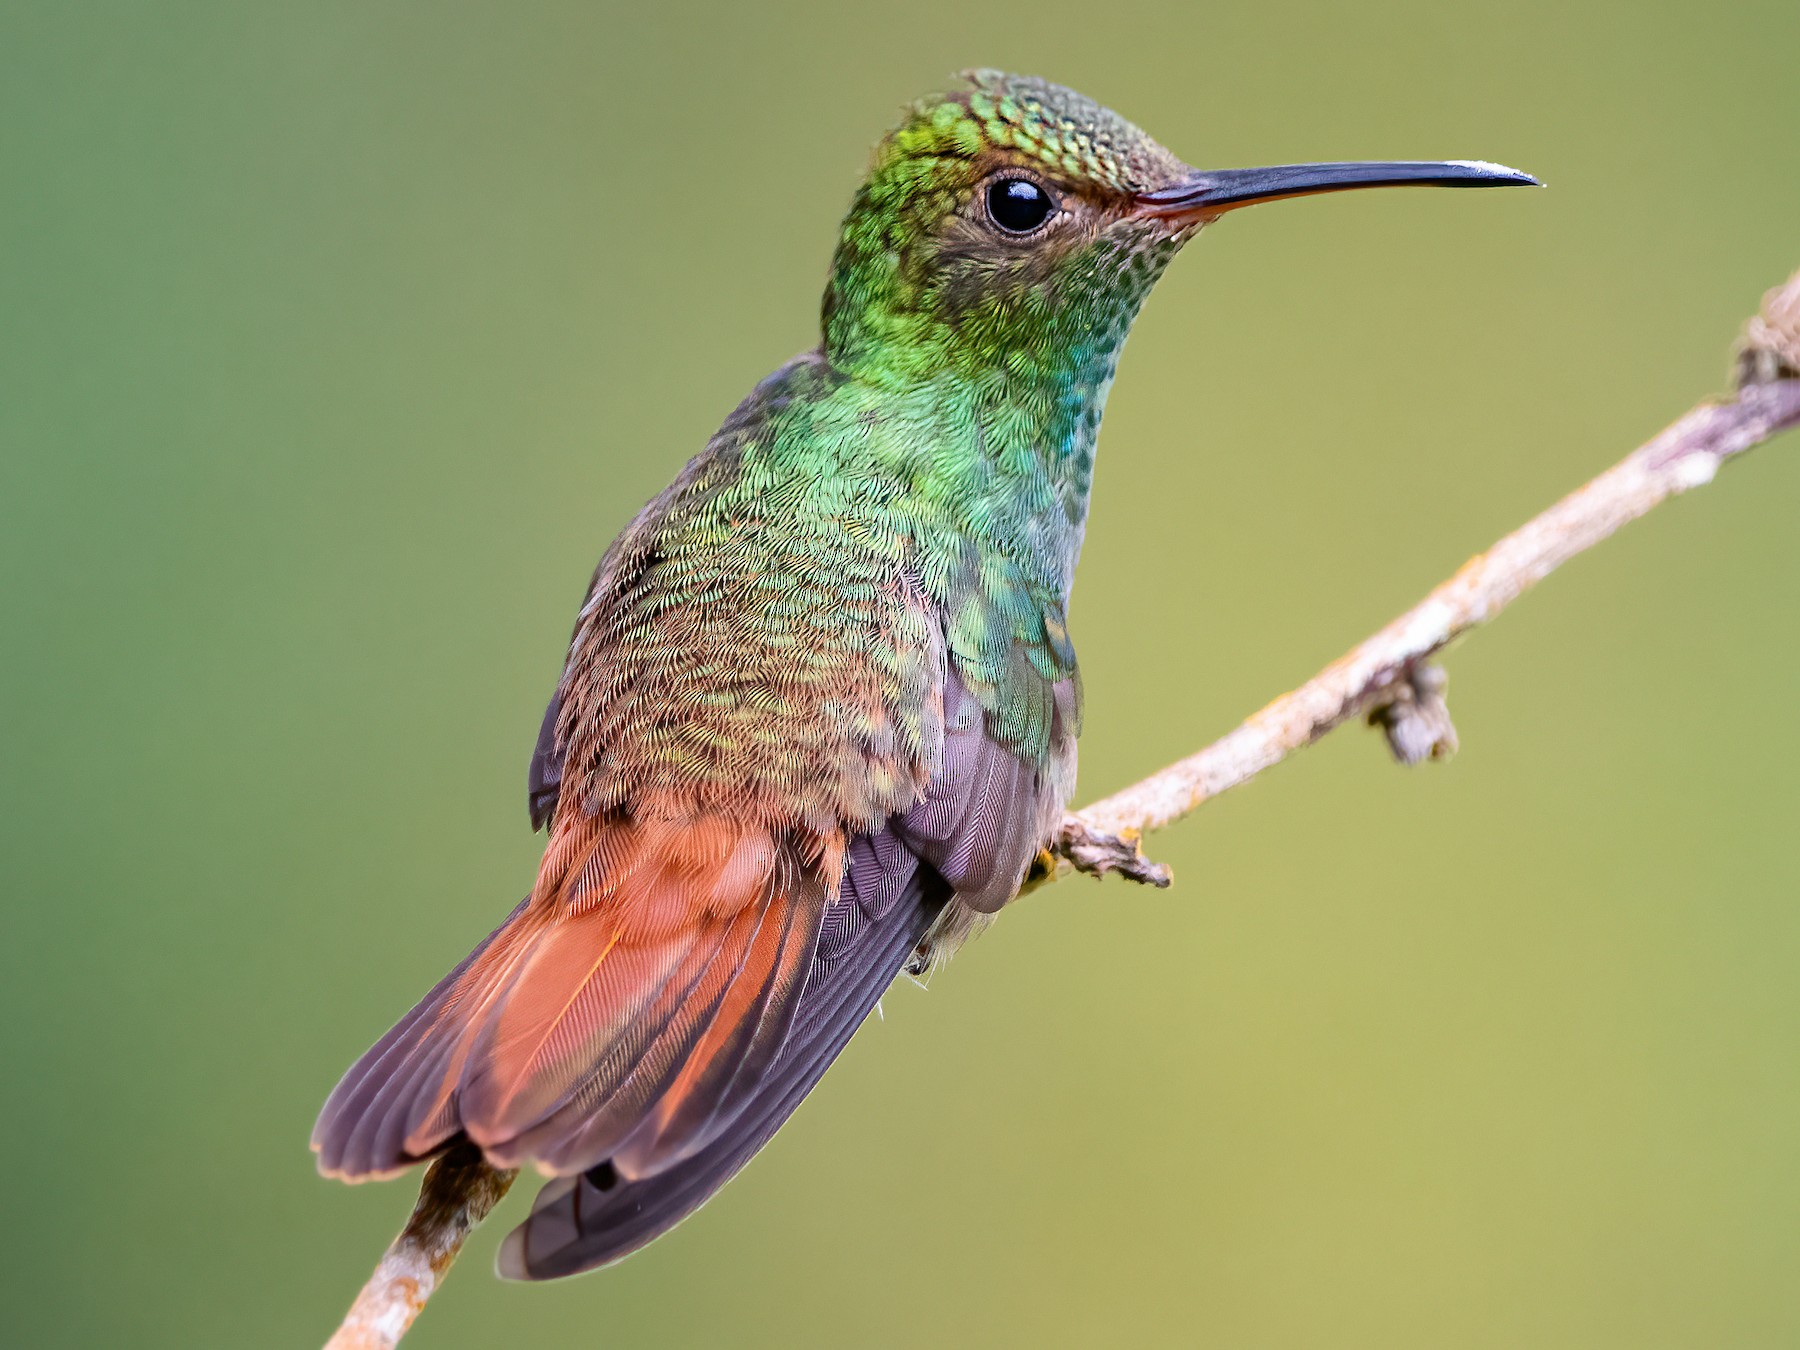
[(344, 1136), (639, 1066), (640, 990), (580, 1222), (590, 1125), (719, 1076), (701, 1058)]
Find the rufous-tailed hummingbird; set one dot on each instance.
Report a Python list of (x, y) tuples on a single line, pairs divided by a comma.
[(819, 710)]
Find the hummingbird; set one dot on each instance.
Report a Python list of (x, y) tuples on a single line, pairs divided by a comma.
[(819, 711)]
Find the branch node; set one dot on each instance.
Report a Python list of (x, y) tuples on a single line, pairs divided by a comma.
[(1770, 349), (1415, 717)]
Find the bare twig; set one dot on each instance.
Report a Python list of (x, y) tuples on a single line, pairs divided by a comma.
[(458, 1191), (1388, 679)]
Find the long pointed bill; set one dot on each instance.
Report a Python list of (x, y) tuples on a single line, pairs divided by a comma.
[(1208, 194)]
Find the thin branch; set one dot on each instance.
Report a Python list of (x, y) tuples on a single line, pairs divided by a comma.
[(458, 1192), (1387, 680)]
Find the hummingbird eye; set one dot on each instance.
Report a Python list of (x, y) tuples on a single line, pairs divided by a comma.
[(1018, 205)]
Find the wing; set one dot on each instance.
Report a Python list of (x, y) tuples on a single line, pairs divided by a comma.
[(754, 681)]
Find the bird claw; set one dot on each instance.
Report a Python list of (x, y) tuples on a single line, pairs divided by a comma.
[(1096, 853)]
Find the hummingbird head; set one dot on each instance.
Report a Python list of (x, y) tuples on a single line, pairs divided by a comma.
[(1013, 225)]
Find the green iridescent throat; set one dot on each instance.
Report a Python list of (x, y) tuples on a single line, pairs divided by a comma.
[(1012, 346)]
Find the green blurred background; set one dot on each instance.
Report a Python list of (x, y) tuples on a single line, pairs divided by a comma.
[(339, 339)]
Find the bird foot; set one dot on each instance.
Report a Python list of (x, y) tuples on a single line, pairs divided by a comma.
[(1096, 853)]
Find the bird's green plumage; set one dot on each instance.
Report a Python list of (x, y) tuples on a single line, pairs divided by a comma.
[(820, 708), (919, 482)]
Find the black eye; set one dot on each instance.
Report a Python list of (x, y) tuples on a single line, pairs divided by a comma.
[(1018, 205)]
